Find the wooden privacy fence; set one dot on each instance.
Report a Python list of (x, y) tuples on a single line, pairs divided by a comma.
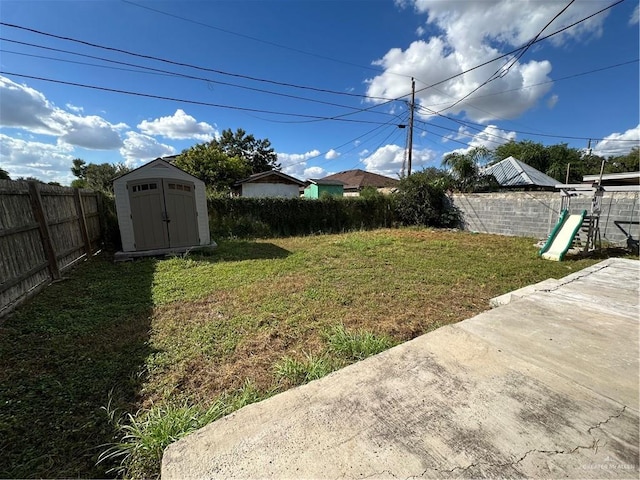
[(44, 229)]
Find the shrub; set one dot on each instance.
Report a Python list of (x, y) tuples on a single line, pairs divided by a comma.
[(421, 200), (277, 217)]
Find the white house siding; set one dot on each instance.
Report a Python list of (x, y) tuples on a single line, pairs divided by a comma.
[(153, 170), (260, 190)]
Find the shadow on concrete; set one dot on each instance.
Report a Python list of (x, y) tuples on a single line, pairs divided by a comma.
[(64, 355)]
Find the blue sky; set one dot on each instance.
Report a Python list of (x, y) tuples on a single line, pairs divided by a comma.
[(327, 82)]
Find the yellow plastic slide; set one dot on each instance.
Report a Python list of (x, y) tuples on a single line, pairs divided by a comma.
[(561, 237)]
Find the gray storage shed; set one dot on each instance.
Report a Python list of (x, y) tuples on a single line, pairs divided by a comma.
[(161, 207)]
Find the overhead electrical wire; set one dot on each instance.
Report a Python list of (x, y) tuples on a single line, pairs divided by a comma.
[(553, 80), (193, 102), (286, 84), (182, 64), (321, 90), (504, 70), (567, 27), (352, 141), (256, 39), (158, 71)]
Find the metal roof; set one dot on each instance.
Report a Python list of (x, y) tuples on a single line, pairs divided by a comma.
[(511, 172)]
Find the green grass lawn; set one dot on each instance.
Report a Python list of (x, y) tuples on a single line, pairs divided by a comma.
[(187, 340)]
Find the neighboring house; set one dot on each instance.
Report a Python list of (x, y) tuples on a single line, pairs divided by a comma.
[(161, 207), (268, 184), (513, 173), (316, 187), (355, 180)]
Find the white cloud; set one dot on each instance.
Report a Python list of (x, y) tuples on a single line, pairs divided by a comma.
[(45, 161), (552, 101), (295, 164), (179, 126), (313, 172), (332, 154), (387, 160), (74, 108), (490, 138), (420, 31), (91, 132), (635, 16), (613, 146), (138, 147), (473, 32), (25, 108)]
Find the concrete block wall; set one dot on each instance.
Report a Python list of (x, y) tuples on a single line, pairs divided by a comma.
[(533, 214)]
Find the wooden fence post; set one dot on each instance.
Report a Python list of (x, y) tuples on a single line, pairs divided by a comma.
[(82, 220), (45, 233)]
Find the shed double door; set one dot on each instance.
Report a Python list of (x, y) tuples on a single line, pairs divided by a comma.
[(163, 212)]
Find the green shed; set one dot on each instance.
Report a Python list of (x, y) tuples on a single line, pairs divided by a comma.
[(316, 187)]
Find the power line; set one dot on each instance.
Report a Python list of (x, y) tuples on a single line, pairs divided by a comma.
[(158, 71), (182, 64), (515, 50), (343, 145), (285, 84), (474, 126), (256, 39), (553, 80), (504, 69), (180, 100)]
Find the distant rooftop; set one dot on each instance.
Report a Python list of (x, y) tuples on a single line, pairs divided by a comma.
[(270, 173), (357, 179)]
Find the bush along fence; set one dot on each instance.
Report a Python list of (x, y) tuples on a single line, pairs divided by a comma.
[(278, 217), (44, 229)]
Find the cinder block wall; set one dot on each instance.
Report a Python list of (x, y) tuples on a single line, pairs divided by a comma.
[(533, 214)]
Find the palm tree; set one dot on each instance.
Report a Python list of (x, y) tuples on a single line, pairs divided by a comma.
[(465, 167)]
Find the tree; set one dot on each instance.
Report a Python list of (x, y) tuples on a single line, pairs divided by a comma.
[(258, 154), (624, 163), (98, 177), (562, 155), (533, 154), (4, 175), (79, 168), (551, 160), (214, 167), (465, 168), (421, 200)]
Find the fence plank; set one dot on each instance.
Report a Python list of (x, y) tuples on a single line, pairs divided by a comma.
[(45, 234), (82, 220)]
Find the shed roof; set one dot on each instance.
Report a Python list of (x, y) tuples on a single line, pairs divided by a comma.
[(360, 178), (261, 175), (512, 172), (158, 162)]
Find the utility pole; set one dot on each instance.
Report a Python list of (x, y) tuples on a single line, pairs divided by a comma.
[(413, 99)]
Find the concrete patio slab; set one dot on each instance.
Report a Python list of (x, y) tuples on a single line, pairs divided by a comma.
[(545, 386)]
